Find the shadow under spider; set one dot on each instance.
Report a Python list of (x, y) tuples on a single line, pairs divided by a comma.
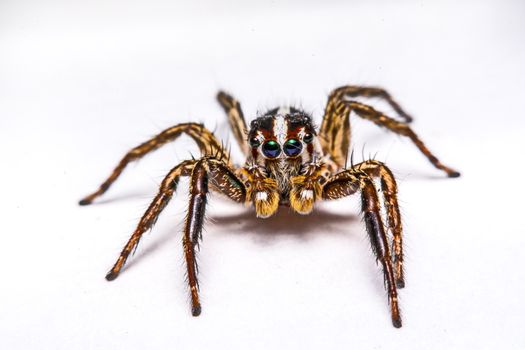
[(284, 223), (264, 231)]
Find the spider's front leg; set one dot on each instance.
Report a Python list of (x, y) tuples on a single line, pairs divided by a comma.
[(389, 192), (347, 183), (203, 172), (220, 176)]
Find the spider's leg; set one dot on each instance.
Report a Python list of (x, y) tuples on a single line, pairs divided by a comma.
[(342, 112), (393, 216), (222, 178), (334, 134), (193, 230), (349, 91), (232, 107), (167, 188), (347, 183), (204, 138)]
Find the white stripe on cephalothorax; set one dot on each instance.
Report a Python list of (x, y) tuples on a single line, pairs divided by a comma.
[(280, 126)]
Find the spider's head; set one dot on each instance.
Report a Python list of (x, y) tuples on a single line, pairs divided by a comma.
[(282, 133)]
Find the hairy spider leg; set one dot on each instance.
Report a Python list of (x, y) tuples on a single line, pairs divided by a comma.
[(166, 191), (389, 190), (221, 178), (342, 114), (204, 138), (349, 91), (193, 230), (203, 172), (347, 183), (232, 107)]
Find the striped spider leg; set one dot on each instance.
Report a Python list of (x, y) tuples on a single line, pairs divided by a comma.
[(205, 173), (335, 128), (360, 178)]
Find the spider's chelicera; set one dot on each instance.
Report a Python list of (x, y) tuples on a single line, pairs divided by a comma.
[(289, 163)]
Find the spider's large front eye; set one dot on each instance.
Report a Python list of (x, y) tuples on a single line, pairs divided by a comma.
[(271, 149), (292, 147)]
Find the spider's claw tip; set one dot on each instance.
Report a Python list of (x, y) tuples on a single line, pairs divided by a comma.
[(454, 174), (84, 201), (196, 310), (397, 322), (111, 275)]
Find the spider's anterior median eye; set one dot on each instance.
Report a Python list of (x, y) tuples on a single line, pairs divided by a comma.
[(254, 142), (307, 138), (271, 149), (292, 147)]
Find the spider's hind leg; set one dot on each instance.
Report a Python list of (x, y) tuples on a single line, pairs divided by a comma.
[(233, 109)]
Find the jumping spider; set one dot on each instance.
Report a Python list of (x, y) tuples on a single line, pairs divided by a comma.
[(288, 163)]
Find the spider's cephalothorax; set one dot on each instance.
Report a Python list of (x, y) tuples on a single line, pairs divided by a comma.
[(287, 163), (283, 145)]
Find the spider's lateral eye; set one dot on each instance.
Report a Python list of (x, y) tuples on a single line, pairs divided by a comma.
[(271, 149), (292, 147), (254, 142), (308, 137)]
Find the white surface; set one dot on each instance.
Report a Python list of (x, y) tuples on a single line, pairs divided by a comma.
[(82, 82)]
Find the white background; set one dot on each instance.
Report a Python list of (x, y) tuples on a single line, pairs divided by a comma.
[(82, 82)]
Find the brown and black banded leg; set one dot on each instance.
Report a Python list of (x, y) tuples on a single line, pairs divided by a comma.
[(232, 107), (206, 171), (204, 138), (350, 91), (221, 178), (343, 111), (389, 190), (193, 230), (347, 183), (167, 188)]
